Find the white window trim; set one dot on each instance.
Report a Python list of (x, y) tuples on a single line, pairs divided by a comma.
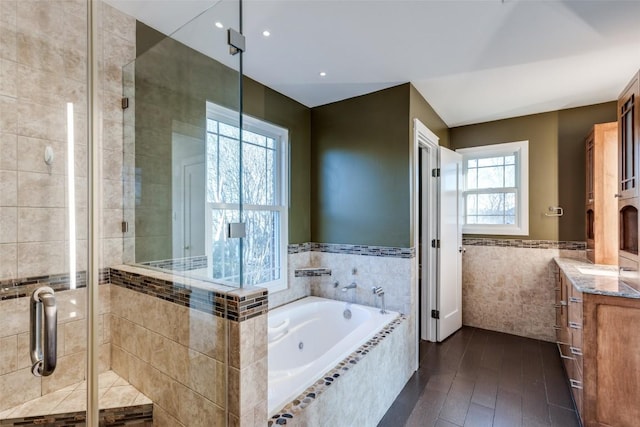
[(220, 113), (521, 148)]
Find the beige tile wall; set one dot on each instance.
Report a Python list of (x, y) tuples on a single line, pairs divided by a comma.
[(178, 357), (393, 274), (17, 383), (298, 287), (510, 289), (42, 68)]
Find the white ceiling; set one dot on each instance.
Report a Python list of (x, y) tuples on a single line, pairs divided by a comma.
[(472, 60)]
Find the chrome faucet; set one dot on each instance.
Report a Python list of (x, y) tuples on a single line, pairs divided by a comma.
[(351, 286), (377, 290)]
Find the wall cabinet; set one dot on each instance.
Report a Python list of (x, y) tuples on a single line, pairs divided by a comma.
[(598, 340), (601, 146), (628, 166)]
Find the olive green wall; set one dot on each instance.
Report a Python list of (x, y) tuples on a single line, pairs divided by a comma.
[(172, 85), (360, 170), (419, 108), (267, 104), (556, 163), (574, 125)]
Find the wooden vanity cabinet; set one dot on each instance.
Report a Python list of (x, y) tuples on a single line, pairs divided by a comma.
[(569, 335), (600, 348), (601, 146)]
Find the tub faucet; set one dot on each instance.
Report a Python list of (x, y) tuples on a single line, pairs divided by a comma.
[(377, 290), (351, 286)]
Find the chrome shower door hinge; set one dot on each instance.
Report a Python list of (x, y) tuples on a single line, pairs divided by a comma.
[(236, 230), (125, 103), (236, 41)]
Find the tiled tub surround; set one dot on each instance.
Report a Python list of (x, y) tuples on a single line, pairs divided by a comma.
[(391, 268), (174, 341), (309, 337), (343, 395), (119, 403), (508, 285), (367, 266)]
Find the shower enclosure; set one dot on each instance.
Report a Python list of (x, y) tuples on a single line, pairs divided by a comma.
[(123, 290)]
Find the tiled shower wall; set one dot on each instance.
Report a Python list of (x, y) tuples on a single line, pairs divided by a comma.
[(510, 288), (42, 67), (17, 383)]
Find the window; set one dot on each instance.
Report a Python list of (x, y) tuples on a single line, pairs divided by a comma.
[(264, 189), (496, 189)]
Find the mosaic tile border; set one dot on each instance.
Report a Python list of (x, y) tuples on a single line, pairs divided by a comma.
[(296, 248), (239, 308), (366, 250), (22, 287), (179, 264), (138, 415), (529, 244), (312, 272), (289, 411)]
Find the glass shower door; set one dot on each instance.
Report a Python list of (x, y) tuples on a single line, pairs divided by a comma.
[(170, 323), (43, 210), (182, 140)]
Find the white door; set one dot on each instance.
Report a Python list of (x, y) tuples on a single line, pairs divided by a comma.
[(449, 293), (194, 209)]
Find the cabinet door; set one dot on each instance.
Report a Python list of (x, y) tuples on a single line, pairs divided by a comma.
[(628, 141), (589, 168), (562, 331)]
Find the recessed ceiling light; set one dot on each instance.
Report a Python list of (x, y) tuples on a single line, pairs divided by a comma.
[(323, 74), (219, 25), (266, 33)]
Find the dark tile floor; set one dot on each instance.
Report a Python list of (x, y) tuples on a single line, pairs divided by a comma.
[(484, 378)]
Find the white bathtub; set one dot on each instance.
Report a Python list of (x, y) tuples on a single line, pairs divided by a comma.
[(309, 337)]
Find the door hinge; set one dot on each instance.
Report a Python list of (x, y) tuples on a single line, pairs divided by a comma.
[(125, 103), (236, 230), (125, 226), (435, 243), (236, 41), (435, 172), (435, 314)]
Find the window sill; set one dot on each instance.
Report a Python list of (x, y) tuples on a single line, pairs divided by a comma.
[(495, 230)]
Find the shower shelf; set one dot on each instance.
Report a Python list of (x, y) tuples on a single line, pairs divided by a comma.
[(312, 272)]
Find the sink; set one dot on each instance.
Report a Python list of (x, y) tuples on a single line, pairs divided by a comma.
[(598, 271)]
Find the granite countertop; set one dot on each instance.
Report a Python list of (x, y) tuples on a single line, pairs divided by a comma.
[(595, 278)]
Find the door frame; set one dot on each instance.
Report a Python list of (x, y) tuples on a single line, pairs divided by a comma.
[(424, 139)]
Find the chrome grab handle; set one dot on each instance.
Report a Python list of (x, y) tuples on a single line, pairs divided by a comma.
[(44, 332), (575, 383), (575, 325), (574, 299)]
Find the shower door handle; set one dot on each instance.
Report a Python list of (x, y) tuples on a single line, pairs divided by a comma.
[(44, 332)]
